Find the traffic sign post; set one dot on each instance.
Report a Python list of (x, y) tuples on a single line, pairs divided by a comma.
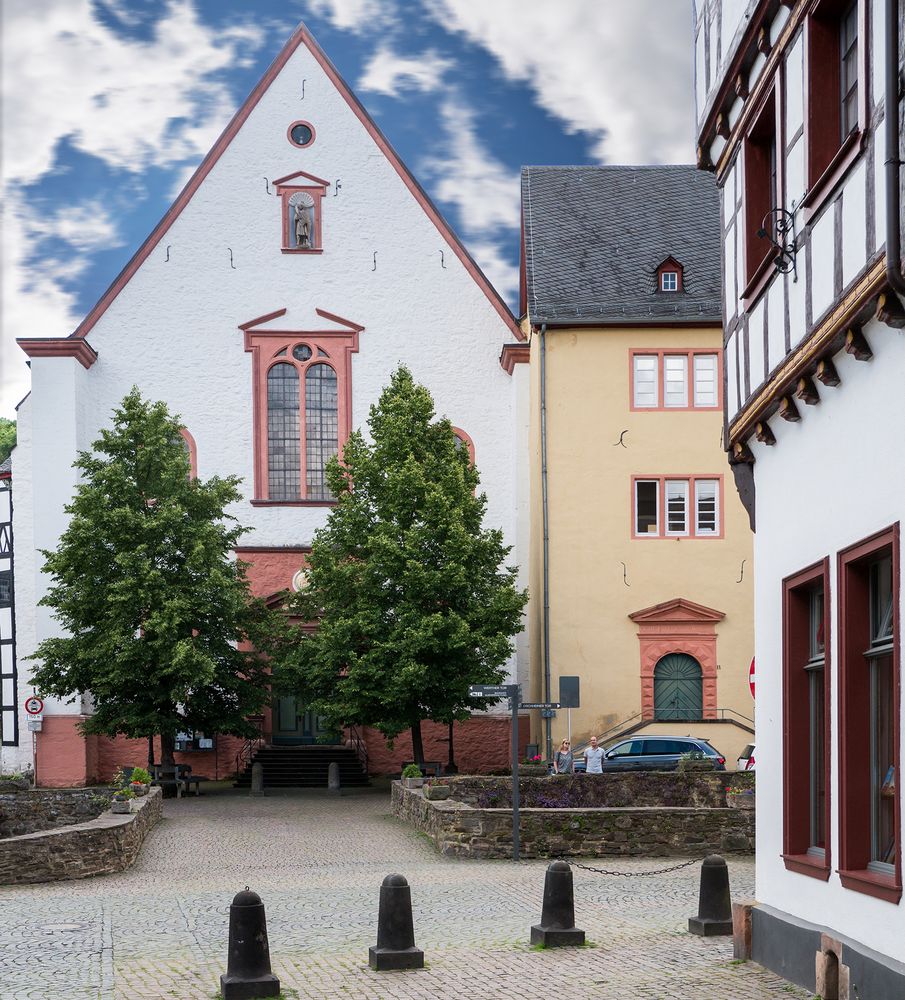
[(34, 705), (510, 691)]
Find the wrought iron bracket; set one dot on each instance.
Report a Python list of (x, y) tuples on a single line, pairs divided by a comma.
[(778, 226)]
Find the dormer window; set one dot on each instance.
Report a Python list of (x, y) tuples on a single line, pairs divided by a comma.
[(669, 276)]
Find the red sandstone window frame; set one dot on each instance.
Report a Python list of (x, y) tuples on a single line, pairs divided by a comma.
[(266, 347), (466, 441), (317, 188), (691, 533), (192, 449), (829, 154), (799, 855), (855, 788), (660, 353)]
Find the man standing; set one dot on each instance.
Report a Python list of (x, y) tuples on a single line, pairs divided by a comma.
[(594, 758)]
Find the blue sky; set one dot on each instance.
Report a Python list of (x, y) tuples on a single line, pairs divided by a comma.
[(108, 106)]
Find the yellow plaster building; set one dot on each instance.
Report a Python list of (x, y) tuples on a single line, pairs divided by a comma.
[(641, 564)]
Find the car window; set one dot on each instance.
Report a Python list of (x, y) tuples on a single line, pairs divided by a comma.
[(661, 746), (749, 749), (629, 748), (705, 747)]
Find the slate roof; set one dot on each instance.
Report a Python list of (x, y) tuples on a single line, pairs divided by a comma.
[(594, 237)]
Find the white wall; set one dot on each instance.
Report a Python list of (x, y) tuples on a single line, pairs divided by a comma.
[(838, 472)]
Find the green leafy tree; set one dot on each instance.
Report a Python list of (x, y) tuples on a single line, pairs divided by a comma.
[(411, 598), (7, 437), (144, 584)]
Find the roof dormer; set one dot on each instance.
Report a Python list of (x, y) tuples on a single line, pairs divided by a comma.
[(669, 276)]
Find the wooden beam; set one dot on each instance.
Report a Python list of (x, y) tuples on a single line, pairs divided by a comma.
[(826, 373), (807, 391), (723, 128), (741, 85), (763, 433), (788, 410), (763, 41), (742, 453), (857, 345), (890, 311)]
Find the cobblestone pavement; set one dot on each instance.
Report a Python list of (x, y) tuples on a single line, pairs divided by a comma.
[(160, 929)]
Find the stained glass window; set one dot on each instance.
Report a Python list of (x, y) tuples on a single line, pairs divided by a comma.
[(283, 445)]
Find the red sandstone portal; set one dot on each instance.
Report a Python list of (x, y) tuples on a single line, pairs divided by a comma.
[(677, 626)]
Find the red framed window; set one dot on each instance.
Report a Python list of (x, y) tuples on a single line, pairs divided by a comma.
[(677, 506), (762, 187), (675, 380), (836, 79), (806, 721), (869, 741), (302, 383)]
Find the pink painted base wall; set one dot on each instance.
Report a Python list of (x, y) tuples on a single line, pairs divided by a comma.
[(65, 758), (479, 744)]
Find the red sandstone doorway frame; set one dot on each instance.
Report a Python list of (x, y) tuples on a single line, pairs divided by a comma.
[(678, 626)]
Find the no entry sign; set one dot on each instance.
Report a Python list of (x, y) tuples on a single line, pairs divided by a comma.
[(34, 705), (751, 677)]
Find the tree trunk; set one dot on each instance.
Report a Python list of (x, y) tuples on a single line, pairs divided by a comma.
[(451, 764), (151, 761), (417, 745), (167, 749)]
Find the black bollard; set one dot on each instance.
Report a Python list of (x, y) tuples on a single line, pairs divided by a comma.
[(395, 932), (714, 904), (557, 923), (248, 974)]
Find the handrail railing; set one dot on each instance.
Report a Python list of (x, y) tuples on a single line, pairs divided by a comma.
[(360, 747), (251, 746)]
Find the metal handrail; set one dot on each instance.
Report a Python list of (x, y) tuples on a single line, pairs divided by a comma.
[(251, 746), (361, 748)]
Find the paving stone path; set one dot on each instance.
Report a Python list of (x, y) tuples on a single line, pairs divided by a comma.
[(160, 930)]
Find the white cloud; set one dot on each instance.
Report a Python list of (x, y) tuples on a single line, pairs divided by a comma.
[(388, 72), (355, 15), (619, 71), (485, 192), (86, 226), (501, 272), (132, 104)]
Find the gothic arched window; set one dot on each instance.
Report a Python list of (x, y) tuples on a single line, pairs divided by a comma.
[(283, 446), (321, 427)]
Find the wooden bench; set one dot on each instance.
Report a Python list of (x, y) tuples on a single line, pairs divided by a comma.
[(179, 776)]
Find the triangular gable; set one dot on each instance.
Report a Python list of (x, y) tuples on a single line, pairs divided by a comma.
[(253, 324), (300, 173), (301, 36), (677, 610)]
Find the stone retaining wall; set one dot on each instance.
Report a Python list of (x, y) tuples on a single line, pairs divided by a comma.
[(101, 846), (461, 830), (33, 810)]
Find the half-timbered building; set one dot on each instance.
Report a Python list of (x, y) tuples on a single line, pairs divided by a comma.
[(799, 116)]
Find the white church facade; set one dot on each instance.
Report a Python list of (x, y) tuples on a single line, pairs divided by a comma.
[(300, 265), (800, 118)]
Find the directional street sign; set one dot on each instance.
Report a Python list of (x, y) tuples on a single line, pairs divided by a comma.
[(539, 704), (490, 690)]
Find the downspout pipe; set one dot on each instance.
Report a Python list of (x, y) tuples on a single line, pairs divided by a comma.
[(893, 162), (548, 730)]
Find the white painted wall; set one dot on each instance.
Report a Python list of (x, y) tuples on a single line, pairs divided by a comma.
[(173, 330), (835, 472)]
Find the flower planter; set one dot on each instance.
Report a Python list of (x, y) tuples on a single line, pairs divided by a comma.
[(741, 800), (121, 808), (412, 782), (436, 792), (532, 770), (140, 789)]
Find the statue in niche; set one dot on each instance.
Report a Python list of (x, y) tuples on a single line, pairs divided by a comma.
[(302, 226)]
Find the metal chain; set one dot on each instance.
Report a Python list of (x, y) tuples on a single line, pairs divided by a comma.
[(658, 871)]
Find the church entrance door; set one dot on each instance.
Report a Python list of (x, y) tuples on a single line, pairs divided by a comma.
[(293, 724)]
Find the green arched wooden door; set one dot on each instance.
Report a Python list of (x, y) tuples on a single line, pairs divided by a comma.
[(678, 687)]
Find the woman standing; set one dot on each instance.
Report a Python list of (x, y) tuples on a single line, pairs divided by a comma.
[(563, 762)]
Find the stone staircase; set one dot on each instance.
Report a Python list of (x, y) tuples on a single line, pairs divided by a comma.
[(305, 767)]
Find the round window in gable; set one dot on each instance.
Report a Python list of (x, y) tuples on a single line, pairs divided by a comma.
[(301, 352), (301, 134)]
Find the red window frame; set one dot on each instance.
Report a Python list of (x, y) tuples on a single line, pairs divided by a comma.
[(796, 711), (660, 353), (761, 194), (854, 717), (691, 534)]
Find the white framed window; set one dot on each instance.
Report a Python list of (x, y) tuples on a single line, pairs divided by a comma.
[(676, 506), (644, 380), (669, 281), (705, 372), (647, 507), (706, 507), (675, 380)]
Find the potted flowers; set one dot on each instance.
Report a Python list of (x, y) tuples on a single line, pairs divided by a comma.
[(435, 791), (140, 781), (122, 801), (740, 797), (533, 767), (411, 776)]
